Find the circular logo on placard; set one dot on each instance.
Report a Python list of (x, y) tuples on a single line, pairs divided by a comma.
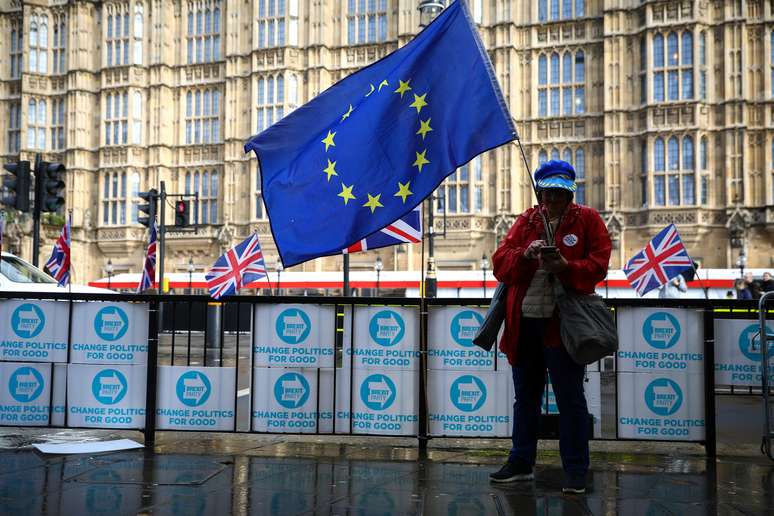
[(750, 342), (468, 393), (661, 330), (109, 386), (570, 240), (291, 390), (663, 396), (378, 392), (26, 384), (28, 321), (293, 326), (387, 328), (111, 323), (193, 388), (464, 327)]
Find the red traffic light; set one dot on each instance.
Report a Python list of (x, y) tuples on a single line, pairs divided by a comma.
[(181, 207)]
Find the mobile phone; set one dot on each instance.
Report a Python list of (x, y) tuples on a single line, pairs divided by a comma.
[(548, 249)]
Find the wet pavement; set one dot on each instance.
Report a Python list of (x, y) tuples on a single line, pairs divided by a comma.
[(197, 473)]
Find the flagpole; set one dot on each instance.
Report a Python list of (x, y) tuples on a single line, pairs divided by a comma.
[(546, 225)]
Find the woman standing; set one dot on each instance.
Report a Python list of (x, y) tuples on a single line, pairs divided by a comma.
[(529, 264)]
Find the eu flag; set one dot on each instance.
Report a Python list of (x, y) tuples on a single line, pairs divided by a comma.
[(371, 147)]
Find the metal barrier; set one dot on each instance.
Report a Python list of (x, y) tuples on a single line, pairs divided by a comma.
[(193, 331), (764, 337)]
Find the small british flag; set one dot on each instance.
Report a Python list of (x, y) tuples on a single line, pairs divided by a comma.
[(59, 263), (662, 259), (149, 269), (407, 229), (240, 266)]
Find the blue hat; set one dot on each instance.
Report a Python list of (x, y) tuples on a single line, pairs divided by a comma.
[(555, 173)]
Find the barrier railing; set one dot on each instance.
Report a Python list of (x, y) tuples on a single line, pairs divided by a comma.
[(369, 366)]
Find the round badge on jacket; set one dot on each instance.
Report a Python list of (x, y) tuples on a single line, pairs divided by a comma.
[(570, 240)]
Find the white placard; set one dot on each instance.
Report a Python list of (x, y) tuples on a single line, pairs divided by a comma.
[(109, 333), (738, 353), (88, 447), (660, 339), (385, 402), (469, 403), (285, 400), (195, 398), (33, 331), (25, 391), (664, 406), (100, 396), (294, 335), (450, 339), (386, 338)]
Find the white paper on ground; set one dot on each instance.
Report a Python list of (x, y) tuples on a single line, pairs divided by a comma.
[(88, 447)]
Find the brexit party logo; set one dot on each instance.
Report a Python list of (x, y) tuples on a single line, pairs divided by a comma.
[(378, 392), (661, 330), (387, 328), (291, 390), (193, 388), (750, 342), (28, 321), (663, 397), (464, 327), (293, 326), (468, 393), (26, 384), (109, 386), (111, 323)]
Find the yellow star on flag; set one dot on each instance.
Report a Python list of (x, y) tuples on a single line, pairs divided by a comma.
[(328, 140), (403, 88), (419, 102), (421, 160), (371, 90), (424, 127), (383, 84), (403, 191), (349, 112), (373, 202), (346, 193), (330, 170)]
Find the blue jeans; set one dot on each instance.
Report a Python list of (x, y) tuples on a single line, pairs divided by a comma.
[(529, 378)]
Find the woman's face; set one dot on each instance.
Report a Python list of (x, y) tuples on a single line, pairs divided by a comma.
[(555, 200)]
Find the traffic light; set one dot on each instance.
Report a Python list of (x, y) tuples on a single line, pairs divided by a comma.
[(49, 183), (17, 186), (151, 197), (181, 213)]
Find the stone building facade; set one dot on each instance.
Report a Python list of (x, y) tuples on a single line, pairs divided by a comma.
[(666, 109)]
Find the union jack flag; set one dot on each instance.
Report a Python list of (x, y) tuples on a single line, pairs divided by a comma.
[(407, 229), (149, 269), (662, 259), (59, 263), (240, 266)]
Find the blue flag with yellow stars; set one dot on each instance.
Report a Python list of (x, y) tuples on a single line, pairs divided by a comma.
[(371, 147)]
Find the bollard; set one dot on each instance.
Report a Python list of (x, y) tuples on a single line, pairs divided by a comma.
[(212, 335)]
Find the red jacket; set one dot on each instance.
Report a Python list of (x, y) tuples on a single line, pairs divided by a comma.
[(582, 239)]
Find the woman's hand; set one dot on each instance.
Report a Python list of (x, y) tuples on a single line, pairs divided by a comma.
[(533, 250)]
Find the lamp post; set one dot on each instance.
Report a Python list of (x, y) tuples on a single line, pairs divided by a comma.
[(279, 273), (190, 272), (428, 10), (109, 270), (378, 266), (741, 262), (484, 267)]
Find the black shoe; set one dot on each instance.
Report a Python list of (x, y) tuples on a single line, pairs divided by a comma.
[(515, 471), (574, 484)]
